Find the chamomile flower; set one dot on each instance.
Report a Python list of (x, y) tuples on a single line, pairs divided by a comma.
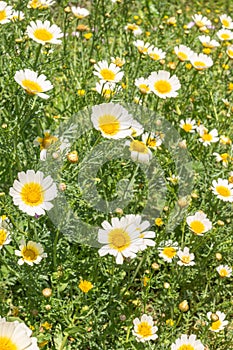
[(201, 61), (224, 158), (136, 128), (44, 33), (199, 223), (44, 143), (208, 42), (141, 46), (201, 21), (151, 140), (119, 62), (174, 179), (144, 329), (229, 51), (225, 35), (220, 323), (17, 16), (5, 231), (188, 125), (223, 190), (16, 335), (208, 137), (162, 85), (79, 12), (183, 52), (33, 83), (168, 250), (108, 72), (107, 89), (139, 151), (30, 253), (187, 342), (119, 239), (143, 85), (33, 192), (134, 28), (226, 21), (5, 12), (155, 53), (186, 258), (40, 4), (112, 120), (224, 271)]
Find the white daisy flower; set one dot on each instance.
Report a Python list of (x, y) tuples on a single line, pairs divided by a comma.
[(136, 128), (201, 21), (226, 21), (108, 72), (168, 250), (79, 12), (208, 42), (189, 342), (162, 85), (143, 85), (225, 35), (119, 239), (144, 329), (230, 51), (188, 125), (223, 190), (139, 151), (174, 179), (33, 193), (30, 253), (141, 46), (44, 33), (186, 258), (224, 270), (208, 137), (134, 28), (199, 223), (33, 83), (220, 322), (151, 140), (224, 158), (112, 120), (156, 54), (17, 16), (183, 52), (16, 335), (201, 61), (107, 89), (5, 12), (5, 231), (40, 4)]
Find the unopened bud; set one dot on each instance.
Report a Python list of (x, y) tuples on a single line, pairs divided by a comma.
[(62, 186), (184, 306), (47, 292), (72, 157), (155, 266), (218, 256), (214, 317), (166, 285)]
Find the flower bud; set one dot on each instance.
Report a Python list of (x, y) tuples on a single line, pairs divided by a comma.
[(218, 256), (62, 186), (47, 292), (155, 266), (72, 157), (184, 306), (214, 317)]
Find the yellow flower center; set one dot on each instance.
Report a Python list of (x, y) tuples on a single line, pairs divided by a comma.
[(223, 191), (109, 124), (223, 273), (43, 34), (197, 227), (144, 329), (215, 325), (225, 23), (142, 49), (47, 141), (187, 127), (144, 88), (163, 86), (132, 27), (182, 56), (31, 87), (3, 236), (170, 252), (207, 137), (199, 65), (6, 344), (200, 23), (30, 254), (2, 15), (138, 146), (230, 53), (224, 156), (107, 74), (225, 36), (119, 239), (154, 56), (185, 259), (32, 194), (151, 142), (186, 347), (208, 45)]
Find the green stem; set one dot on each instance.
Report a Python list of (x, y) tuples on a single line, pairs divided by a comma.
[(37, 56), (63, 342), (55, 249)]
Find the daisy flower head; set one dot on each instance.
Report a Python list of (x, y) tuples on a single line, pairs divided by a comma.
[(44, 33), (188, 125), (33, 192), (136, 128), (223, 190), (144, 329), (186, 258), (107, 89), (220, 322), (119, 62), (201, 21), (79, 12), (16, 335), (183, 52), (30, 253), (119, 239), (156, 54), (17, 16), (168, 250), (208, 137), (224, 158), (133, 28), (230, 51), (108, 72), (225, 34), (201, 61), (143, 85), (112, 120), (208, 42), (226, 21), (151, 140), (5, 231), (139, 151), (5, 12), (141, 46), (174, 179), (224, 271), (199, 223), (162, 85), (186, 342), (44, 143), (40, 4), (33, 83)]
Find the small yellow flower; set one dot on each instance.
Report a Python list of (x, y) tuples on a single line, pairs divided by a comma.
[(147, 33), (85, 286), (170, 322), (188, 66), (43, 343), (81, 92), (136, 17), (87, 35), (159, 222), (225, 66), (32, 327), (230, 86), (145, 281), (206, 50), (47, 325), (171, 21)]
